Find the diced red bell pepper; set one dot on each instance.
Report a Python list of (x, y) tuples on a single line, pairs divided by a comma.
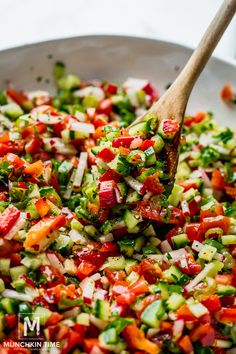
[(107, 196), (85, 269), (18, 97), (14, 161), (150, 90), (217, 180), (231, 191), (105, 106), (120, 287), (204, 333), (227, 314), (186, 345), (218, 221), (34, 169), (153, 184), (106, 155), (109, 247), (8, 218), (5, 138), (114, 276), (212, 303), (124, 141), (193, 208), (217, 210), (194, 231), (100, 120), (42, 207), (127, 298), (73, 339), (190, 266), (135, 339), (195, 119), (147, 144), (150, 271)]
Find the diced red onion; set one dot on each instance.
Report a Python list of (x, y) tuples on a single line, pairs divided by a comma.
[(134, 184), (55, 262), (87, 285), (80, 169), (165, 246), (19, 224)]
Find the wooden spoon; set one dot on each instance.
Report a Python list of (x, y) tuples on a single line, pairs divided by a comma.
[(173, 103)]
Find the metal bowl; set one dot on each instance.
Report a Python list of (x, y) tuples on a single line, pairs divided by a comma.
[(115, 58)]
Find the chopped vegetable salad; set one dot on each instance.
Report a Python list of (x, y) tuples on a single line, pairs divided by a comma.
[(94, 237)]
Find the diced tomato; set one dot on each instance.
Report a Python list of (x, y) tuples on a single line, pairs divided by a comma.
[(33, 130), (170, 127), (14, 161), (114, 276), (18, 97), (15, 259), (33, 146), (212, 303), (73, 339), (146, 144), (189, 266), (89, 344), (227, 314), (105, 106), (106, 155), (203, 333), (109, 247), (150, 90), (217, 180), (124, 141), (153, 184), (150, 270), (186, 345), (135, 339), (120, 287), (227, 93), (11, 320), (85, 269), (107, 196), (111, 89), (8, 218), (35, 169), (42, 207), (126, 298), (183, 313), (195, 119), (99, 133), (218, 221), (194, 231), (139, 287), (194, 208)]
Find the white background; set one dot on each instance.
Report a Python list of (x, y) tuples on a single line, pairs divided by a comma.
[(182, 21)]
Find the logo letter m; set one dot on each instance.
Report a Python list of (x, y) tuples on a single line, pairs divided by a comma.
[(31, 325)]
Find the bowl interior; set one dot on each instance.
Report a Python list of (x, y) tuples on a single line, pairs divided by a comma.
[(116, 58)]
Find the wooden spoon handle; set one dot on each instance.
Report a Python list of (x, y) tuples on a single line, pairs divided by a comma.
[(209, 41)]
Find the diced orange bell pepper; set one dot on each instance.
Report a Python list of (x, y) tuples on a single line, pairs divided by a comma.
[(186, 345), (34, 169), (14, 161), (135, 339), (42, 207), (41, 233)]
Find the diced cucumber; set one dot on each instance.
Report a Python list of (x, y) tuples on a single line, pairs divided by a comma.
[(42, 313), (216, 267), (129, 263), (120, 165), (91, 230), (207, 252), (150, 231), (175, 301), (159, 143), (163, 286), (176, 195), (127, 247), (16, 272), (226, 289), (83, 319), (12, 110), (150, 156), (122, 188), (149, 249), (139, 243), (190, 194), (2, 286), (136, 157), (153, 313), (109, 336), (228, 240), (139, 129), (63, 245), (197, 309), (214, 243), (76, 225), (5, 266), (34, 194), (173, 274), (9, 305), (68, 82), (183, 171), (180, 241), (102, 309), (133, 197), (131, 220), (116, 263)]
